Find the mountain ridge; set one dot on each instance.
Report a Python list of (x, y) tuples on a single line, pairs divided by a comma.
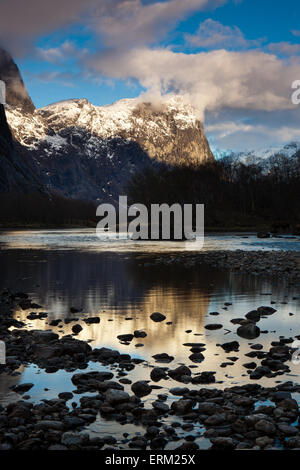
[(81, 151), (259, 156), (90, 152)]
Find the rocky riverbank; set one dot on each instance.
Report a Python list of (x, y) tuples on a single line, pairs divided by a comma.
[(283, 264), (240, 417)]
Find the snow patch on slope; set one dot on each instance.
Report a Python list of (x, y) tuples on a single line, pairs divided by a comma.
[(31, 130), (118, 118)]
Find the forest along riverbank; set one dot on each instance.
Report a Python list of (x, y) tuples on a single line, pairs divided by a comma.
[(239, 417), (270, 263)]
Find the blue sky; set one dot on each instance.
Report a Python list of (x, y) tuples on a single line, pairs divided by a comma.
[(235, 60)]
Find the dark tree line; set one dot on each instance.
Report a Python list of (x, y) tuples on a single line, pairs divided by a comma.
[(235, 195), (43, 210)]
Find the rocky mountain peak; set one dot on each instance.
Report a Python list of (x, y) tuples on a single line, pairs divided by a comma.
[(83, 151), (16, 92), (169, 132), (90, 152)]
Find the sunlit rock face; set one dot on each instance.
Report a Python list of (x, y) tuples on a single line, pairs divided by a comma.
[(169, 133), (88, 152)]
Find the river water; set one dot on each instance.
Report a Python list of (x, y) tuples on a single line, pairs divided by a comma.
[(73, 268)]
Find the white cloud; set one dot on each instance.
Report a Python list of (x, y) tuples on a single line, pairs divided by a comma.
[(214, 35), (128, 32), (228, 129), (63, 78), (251, 129), (21, 22), (241, 136), (118, 22), (133, 23), (209, 80), (58, 55), (284, 48)]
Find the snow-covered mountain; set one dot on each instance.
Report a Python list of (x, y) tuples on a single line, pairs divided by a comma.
[(90, 152), (261, 157)]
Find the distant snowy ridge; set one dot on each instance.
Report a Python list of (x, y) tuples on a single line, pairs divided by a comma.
[(260, 157)]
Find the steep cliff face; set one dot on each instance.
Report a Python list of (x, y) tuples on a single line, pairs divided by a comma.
[(89, 152), (16, 174), (170, 133), (16, 93)]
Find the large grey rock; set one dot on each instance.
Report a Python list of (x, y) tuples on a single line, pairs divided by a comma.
[(250, 331), (182, 406), (157, 374), (179, 372), (73, 439), (266, 427), (48, 424), (83, 378), (141, 388), (47, 336), (114, 397)]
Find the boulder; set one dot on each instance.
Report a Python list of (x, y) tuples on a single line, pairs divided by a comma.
[(114, 397), (83, 378), (163, 358), (92, 320), (76, 329), (254, 316), (157, 317), (157, 374), (182, 406), (126, 338), (179, 372), (250, 331), (266, 310), (232, 346), (141, 388), (213, 326)]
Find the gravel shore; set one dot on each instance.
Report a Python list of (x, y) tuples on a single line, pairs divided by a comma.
[(239, 417), (285, 264)]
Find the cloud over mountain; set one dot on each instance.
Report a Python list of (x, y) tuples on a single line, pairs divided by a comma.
[(132, 40), (209, 80)]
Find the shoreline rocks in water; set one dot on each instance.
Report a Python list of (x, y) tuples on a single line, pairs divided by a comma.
[(239, 417), (283, 264)]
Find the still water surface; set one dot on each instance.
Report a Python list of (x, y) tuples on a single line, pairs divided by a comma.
[(61, 269)]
